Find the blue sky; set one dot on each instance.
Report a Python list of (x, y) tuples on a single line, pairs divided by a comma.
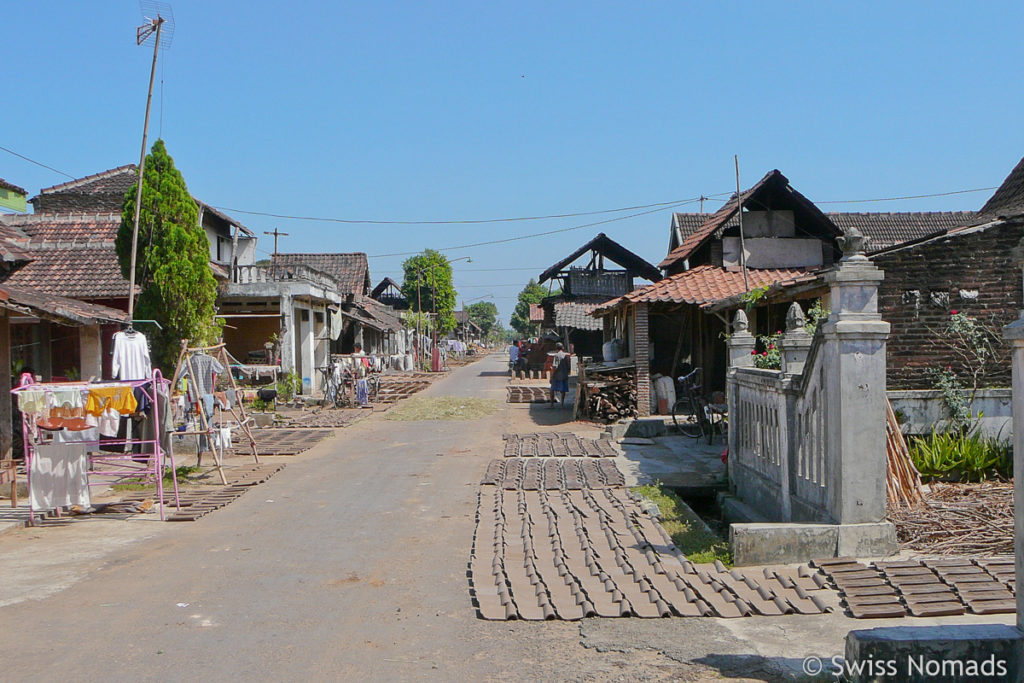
[(468, 110)]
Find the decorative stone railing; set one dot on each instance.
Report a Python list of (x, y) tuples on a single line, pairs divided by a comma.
[(807, 442), (245, 275)]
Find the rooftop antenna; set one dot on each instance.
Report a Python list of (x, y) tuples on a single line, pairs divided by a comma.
[(158, 27)]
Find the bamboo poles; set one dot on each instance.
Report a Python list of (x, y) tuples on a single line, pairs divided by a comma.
[(903, 483)]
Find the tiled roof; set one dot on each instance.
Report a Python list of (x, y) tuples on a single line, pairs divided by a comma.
[(86, 271), (536, 313), (1008, 199), (112, 181), (65, 227), (4, 185), (352, 271), (704, 285), (576, 315), (383, 314), (58, 308), (889, 229), (224, 217), (11, 251)]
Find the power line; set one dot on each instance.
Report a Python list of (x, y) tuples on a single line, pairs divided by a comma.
[(37, 163), (360, 221), (542, 234), (911, 196)]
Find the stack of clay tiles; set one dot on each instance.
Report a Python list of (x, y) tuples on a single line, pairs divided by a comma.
[(924, 587)]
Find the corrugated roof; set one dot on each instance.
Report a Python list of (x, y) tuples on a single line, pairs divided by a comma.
[(352, 270), (576, 315), (704, 285), (1008, 199)]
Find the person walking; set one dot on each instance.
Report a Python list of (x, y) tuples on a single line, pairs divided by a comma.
[(560, 364)]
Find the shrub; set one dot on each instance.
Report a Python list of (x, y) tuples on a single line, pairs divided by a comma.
[(961, 456)]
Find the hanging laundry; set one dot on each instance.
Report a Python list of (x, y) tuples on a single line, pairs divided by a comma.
[(131, 356), (120, 398), (59, 476), (33, 402)]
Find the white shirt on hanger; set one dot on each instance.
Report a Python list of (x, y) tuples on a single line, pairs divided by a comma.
[(131, 357)]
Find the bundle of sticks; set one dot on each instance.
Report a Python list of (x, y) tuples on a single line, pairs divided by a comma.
[(903, 483), (959, 519), (611, 399)]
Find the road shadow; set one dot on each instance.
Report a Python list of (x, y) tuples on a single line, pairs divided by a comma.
[(760, 668), (544, 414), (492, 373)]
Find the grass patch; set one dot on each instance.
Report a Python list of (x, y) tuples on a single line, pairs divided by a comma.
[(184, 472), (687, 530), (442, 408)]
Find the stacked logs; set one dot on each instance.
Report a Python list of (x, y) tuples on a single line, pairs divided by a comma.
[(611, 399)]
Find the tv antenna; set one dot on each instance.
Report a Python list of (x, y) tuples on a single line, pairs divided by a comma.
[(158, 27)]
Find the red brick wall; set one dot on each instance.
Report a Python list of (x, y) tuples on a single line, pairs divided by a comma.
[(641, 337), (923, 284)]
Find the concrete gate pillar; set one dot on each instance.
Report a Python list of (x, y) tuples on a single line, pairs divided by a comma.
[(854, 382)]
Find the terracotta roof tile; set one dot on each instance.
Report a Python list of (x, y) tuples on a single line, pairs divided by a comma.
[(63, 309), (536, 313), (704, 285), (66, 227), (87, 271), (112, 181), (352, 271), (889, 229)]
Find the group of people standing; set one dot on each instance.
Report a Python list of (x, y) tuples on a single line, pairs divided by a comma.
[(560, 367)]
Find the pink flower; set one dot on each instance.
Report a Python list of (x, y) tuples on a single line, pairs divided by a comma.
[(771, 346), (953, 312), (764, 353), (753, 353), (778, 332)]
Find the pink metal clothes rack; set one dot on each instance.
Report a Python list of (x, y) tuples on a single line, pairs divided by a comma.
[(145, 466)]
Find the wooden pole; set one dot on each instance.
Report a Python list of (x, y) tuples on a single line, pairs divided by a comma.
[(159, 21), (739, 213)]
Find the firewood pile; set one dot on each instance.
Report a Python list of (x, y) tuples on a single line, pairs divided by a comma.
[(903, 483), (611, 399), (959, 519)]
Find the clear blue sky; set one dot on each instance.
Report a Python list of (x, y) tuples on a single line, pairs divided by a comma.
[(469, 110)]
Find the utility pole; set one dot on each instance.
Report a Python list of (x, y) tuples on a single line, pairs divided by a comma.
[(154, 26), (276, 234), (739, 212)]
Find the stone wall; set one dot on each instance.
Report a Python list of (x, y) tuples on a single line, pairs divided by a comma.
[(975, 273)]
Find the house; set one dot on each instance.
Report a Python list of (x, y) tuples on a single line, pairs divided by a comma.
[(584, 287), (389, 293), (465, 329), (70, 239), (710, 272), (68, 321)]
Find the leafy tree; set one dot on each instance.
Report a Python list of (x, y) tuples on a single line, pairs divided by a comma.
[(172, 266), (532, 293), (428, 287), (484, 314)]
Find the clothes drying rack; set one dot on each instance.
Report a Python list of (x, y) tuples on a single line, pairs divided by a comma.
[(133, 466)]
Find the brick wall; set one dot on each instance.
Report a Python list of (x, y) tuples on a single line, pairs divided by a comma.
[(641, 337), (975, 274)]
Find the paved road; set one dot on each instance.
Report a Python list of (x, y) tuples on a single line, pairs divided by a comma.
[(348, 565)]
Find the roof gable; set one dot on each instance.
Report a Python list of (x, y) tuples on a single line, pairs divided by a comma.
[(609, 248), (1008, 199), (773, 191)]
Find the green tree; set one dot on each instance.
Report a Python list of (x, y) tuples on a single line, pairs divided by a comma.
[(532, 293), (484, 314), (172, 266), (428, 287)]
